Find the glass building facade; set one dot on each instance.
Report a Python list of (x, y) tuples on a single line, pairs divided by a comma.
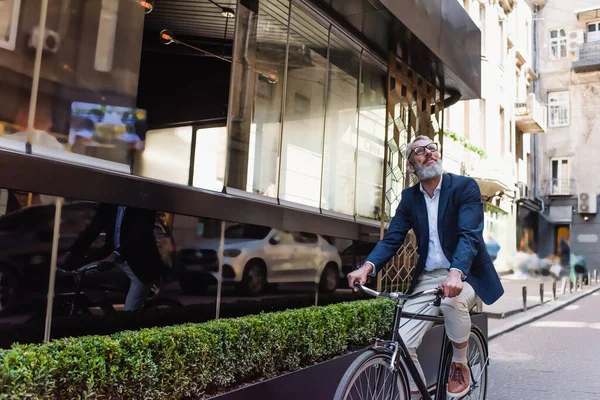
[(245, 162)]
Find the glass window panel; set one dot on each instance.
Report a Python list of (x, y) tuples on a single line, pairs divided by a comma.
[(339, 174), (167, 155), (209, 158), (265, 131), (304, 111), (371, 139), (86, 106)]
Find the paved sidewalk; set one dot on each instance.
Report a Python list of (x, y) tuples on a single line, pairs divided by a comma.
[(512, 300), (507, 313)]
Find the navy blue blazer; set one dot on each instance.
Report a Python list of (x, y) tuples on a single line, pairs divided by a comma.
[(460, 228)]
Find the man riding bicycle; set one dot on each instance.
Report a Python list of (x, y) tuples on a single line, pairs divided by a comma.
[(446, 213)]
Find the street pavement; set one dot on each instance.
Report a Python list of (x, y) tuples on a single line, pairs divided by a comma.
[(555, 357), (512, 300)]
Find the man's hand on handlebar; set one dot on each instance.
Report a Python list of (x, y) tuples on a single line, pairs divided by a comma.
[(452, 285), (108, 263), (359, 275)]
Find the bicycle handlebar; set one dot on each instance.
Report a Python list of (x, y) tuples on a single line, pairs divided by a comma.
[(79, 271), (398, 295)]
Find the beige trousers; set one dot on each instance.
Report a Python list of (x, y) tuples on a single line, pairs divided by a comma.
[(456, 315)]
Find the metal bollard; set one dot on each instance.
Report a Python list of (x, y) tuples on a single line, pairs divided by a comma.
[(541, 293), (589, 278), (554, 290), (524, 290), (570, 285), (596, 275)]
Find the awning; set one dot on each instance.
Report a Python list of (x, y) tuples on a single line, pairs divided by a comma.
[(561, 214), (489, 187), (586, 14)]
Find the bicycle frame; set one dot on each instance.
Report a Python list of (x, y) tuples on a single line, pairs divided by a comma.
[(404, 356)]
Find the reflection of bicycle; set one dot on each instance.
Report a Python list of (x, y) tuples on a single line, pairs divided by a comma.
[(381, 371), (83, 301)]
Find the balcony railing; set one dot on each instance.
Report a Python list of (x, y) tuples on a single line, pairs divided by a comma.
[(560, 187), (531, 116), (588, 57)]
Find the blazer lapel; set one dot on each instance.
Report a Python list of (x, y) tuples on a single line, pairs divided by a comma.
[(444, 197)]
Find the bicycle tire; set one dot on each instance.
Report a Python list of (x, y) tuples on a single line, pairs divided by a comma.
[(477, 356), (377, 360)]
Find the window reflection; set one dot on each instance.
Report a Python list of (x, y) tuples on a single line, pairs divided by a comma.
[(85, 109), (263, 268), (167, 155), (209, 158), (304, 111), (265, 131), (258, 258), (371, 139), (339, 175), (333, 129)]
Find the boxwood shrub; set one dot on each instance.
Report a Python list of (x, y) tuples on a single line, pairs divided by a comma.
[(189, 360)]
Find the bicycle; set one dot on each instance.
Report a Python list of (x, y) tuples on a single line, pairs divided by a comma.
[(380, 372), (82, 302)]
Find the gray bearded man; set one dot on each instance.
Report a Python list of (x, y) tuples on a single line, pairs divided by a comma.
[(446, 213)]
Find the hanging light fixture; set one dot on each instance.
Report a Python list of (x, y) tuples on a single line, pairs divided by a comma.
[(225, 11), (148, 5)]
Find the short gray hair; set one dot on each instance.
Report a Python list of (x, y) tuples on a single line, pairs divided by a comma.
[(409, 146)]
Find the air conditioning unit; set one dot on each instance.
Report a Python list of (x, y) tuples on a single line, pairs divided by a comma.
[(50, 41), (576, 39), (586, 203), (522, 190)]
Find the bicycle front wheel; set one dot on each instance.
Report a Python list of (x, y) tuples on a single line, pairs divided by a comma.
[(369, 377)]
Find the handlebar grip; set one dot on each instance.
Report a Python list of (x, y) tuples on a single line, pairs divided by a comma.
[(356, 284)]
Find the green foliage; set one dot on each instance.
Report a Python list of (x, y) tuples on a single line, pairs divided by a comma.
[(190, 359), (466, 144)]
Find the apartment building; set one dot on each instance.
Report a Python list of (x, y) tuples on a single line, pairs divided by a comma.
[(489, 138), (567, 161)]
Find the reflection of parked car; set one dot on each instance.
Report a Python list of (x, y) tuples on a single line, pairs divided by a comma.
[(254, 256), (26, 243)]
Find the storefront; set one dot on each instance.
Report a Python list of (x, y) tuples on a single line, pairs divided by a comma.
[(264, 138)]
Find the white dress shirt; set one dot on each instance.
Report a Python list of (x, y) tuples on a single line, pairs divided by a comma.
[(436, 259), (435, 255)]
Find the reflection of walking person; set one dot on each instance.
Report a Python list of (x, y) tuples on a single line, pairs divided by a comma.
[(131, 245)]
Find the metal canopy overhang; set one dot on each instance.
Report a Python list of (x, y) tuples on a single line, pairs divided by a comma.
[(438, 39)]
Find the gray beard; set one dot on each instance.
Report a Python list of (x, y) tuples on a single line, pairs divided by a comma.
[(426, 173)]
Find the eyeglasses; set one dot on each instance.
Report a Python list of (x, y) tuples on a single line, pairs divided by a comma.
[(420, 150)]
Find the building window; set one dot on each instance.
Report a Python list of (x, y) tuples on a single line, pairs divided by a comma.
[(560, 176), (593, 32), (558, 44), (558, 108), (481, 25)]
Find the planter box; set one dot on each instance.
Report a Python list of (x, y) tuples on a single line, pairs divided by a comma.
[(320, 381)]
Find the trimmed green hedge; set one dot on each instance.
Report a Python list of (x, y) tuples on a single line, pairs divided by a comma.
[(189, 360)]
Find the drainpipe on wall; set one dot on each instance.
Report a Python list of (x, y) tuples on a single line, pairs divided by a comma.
[(535, 91)]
